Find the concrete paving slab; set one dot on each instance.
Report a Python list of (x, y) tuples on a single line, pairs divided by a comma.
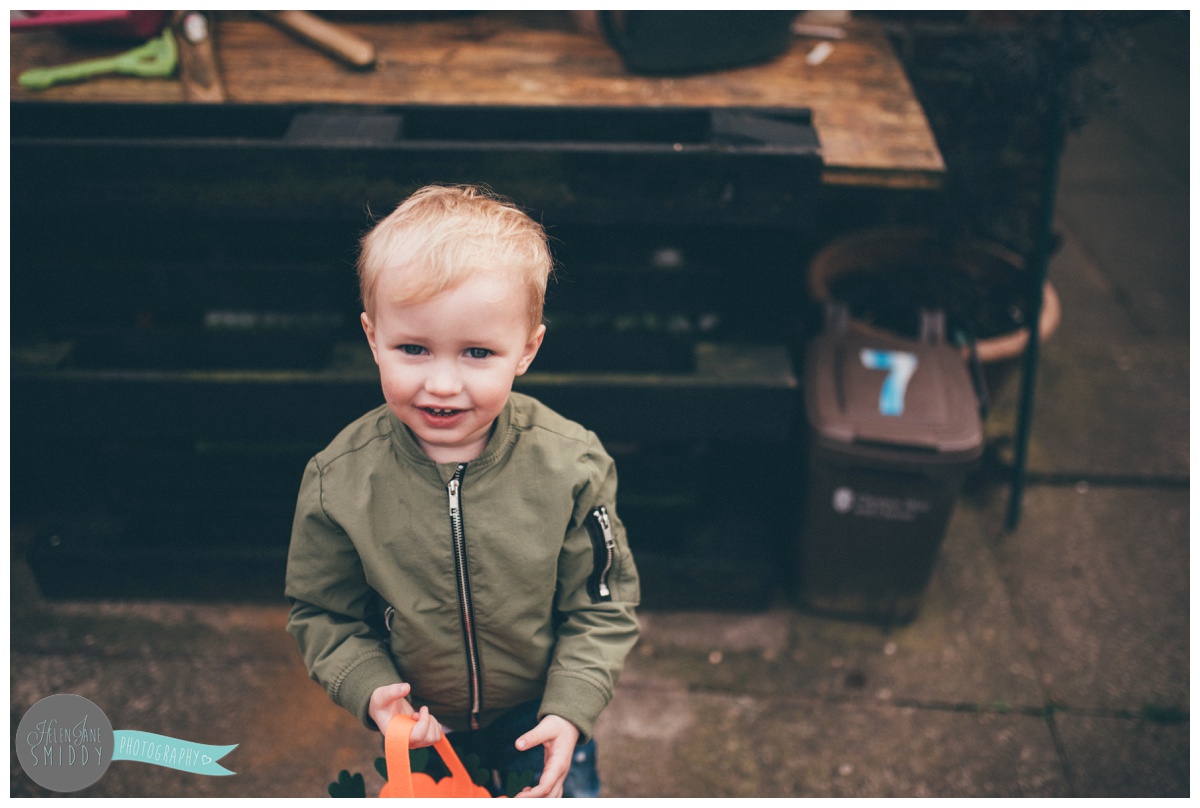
[(1087, 165), (1124, 177), (1150, 75), (1121, 757), (1101, 578), (724, 745), (1139, 238), (1117, 411), (766, 632), (946, 656), (966, 646), (1110, 400), (291, 740), (207, 673), (1091, 312), (219, 673)]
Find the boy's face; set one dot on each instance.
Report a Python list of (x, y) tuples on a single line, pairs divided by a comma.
[(447, 364)]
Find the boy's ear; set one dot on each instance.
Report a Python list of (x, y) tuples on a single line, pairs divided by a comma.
[(531, 349), (369, 330)]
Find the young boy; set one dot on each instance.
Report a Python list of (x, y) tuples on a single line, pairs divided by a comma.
[(456, 554)]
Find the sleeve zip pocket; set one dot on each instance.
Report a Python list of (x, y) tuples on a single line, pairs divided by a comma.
[(603, 552)]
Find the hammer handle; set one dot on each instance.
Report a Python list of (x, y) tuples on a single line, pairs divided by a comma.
[(198, 67), (330, 39)]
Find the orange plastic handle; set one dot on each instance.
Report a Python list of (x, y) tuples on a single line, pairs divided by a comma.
[(401, 780)]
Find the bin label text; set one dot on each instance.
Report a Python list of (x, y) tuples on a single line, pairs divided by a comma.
[(874, 506)]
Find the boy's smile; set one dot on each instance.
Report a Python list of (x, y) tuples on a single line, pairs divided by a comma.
[(439, 418), (447, 364)]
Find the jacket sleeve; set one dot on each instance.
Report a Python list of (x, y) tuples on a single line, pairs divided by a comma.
[(332, 606), (598, 628)]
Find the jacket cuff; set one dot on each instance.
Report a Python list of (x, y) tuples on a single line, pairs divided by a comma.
[(575, 698), (354, 691)]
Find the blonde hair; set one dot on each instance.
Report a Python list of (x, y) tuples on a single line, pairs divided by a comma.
[(441, 234)]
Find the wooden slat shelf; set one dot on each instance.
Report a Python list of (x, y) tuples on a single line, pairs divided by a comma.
[(737, 392), (582, 164)]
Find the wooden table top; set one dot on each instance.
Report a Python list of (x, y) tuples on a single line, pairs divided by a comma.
[(872, 130)]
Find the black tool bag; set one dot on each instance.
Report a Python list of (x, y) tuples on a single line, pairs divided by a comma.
[(682, 42)]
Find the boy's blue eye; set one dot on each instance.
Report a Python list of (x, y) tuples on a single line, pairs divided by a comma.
[(412, 350), (478, 353)]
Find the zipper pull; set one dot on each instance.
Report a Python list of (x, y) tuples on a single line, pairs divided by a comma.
[(606, 526), (601, 514), (453, 485)]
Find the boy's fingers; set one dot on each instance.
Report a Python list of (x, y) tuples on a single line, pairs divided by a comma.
[(427, 731), (530, 739), (422, 723), (545, 788), (388, 702), (390, 693), (393, 693), (553, 774), (558, 763)]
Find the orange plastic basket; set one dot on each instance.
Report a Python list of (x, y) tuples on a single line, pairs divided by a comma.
[(402, 782)]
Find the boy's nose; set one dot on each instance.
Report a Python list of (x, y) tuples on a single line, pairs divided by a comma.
[(443, 381)]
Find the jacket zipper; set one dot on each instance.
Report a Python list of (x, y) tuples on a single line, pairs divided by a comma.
[(603, 546), (465, 607)]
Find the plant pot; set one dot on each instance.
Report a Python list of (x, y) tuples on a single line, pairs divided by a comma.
[(885, 276)]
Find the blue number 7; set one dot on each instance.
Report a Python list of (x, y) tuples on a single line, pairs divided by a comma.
[(900, 366)]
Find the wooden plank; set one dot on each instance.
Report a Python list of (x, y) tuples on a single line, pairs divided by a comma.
[(872, 129), (737, 392), (655, 164)]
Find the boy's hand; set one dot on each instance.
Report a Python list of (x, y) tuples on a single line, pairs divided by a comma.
[(390, 701), (559, 736)]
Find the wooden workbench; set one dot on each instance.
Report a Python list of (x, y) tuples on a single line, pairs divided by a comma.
[(873, 132)]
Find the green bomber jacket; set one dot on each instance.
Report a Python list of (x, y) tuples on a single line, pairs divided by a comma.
[(483, 585)]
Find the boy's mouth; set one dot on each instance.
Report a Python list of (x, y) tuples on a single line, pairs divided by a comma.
[(440, 412)]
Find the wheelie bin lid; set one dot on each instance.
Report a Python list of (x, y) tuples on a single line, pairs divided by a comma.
[(867, 390)]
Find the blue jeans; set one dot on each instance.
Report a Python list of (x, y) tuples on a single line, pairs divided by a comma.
[(495, 747)]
